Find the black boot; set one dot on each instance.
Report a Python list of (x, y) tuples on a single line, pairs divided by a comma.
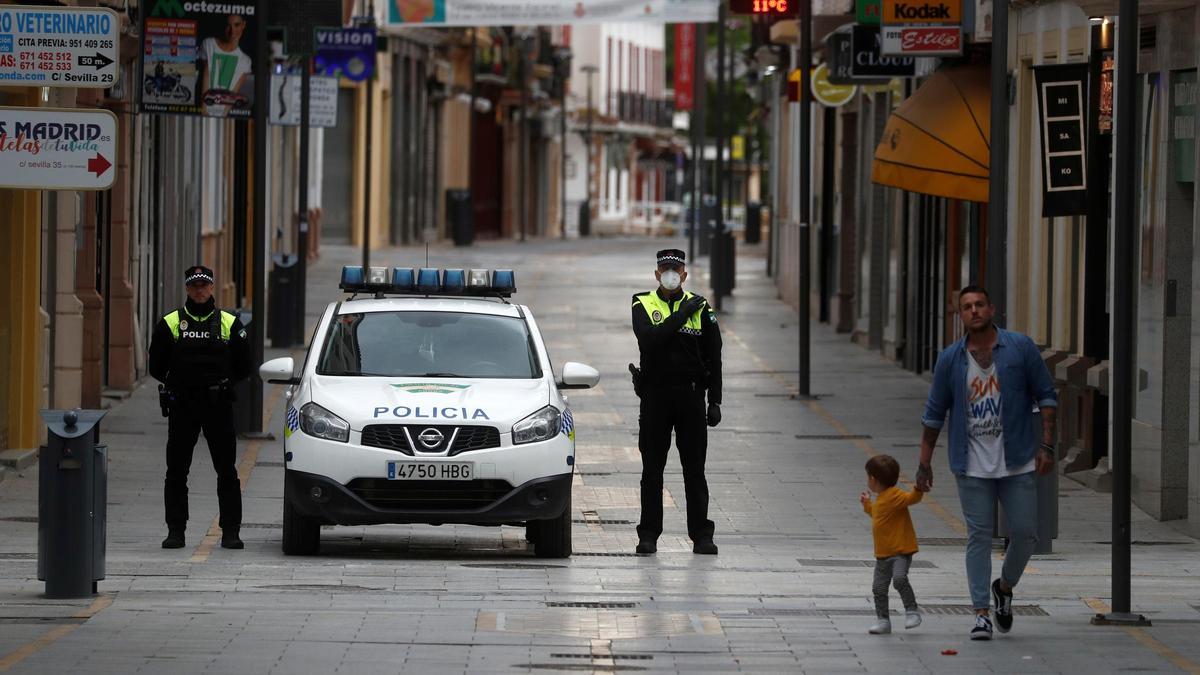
[(647, 547), (230, 539), (174, 539), (704, 547)]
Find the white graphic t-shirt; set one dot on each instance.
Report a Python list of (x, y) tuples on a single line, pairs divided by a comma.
[(985, 432)]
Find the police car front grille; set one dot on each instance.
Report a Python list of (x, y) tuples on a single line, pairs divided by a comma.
[(392, 437), (387, 436), (429, 495)]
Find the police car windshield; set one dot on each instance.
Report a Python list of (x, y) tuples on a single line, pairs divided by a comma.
[(428, 344)]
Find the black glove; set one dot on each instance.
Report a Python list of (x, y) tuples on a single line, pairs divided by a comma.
[(714, 414), (692, 305), (635, 374)]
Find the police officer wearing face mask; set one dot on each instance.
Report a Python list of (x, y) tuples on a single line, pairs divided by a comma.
[(680, 347), (198, 352)]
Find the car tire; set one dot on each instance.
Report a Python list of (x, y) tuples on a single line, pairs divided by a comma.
[(301, 535), (552, 538)]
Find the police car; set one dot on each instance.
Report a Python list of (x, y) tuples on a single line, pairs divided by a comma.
[(427, 397)]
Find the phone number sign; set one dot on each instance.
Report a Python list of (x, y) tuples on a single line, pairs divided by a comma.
[(58, 46)]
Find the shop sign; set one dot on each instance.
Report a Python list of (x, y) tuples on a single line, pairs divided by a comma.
[(685, 58), (196, 58), (57, 148), (868, 60), (551, 12), (867, 12), (1183, 126), (1061, 93), (840, 57), (346, 52), (827, 93), (285, 100), (58, 46), (921, 41), (940, 12), (737, 148)]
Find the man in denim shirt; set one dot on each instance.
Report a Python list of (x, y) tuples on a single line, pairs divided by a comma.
[(987, 384)]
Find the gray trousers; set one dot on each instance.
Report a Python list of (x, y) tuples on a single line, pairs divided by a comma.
[(893, 571)]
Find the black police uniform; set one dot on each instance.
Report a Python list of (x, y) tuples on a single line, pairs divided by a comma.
[(199, 362), (680, 361)]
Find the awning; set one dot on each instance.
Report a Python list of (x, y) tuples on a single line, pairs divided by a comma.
[(937, 141)]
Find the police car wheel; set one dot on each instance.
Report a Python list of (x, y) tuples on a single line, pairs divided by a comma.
[(301, 536), (552, 538)]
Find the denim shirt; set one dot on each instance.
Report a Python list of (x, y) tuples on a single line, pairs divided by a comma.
[(1024, 381)]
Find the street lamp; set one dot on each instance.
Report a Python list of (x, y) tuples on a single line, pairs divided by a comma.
[(585, 216)]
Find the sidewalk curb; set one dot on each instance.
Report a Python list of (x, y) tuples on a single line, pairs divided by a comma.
[(18, 459)]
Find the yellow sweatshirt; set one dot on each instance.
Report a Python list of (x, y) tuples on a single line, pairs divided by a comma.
[(891, 525)]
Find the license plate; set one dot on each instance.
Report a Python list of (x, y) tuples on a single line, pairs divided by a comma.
[(430, 470)]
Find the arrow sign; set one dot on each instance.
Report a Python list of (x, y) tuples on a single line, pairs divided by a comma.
[(98, 165), (98, 61)]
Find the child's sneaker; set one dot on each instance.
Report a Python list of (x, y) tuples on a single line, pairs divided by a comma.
[(881, 627), (912, 620)]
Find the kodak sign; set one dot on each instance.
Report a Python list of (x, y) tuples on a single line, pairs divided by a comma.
[(939, 12)]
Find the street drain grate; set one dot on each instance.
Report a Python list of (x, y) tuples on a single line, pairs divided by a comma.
[(279, 464), (42, 620), (941, 610), (18, 556), (1151, 543), (607, 555), (514, 566), (833, 437), (593, 605), (20, 519), (589, 667), (943, 541), (602, 521), (594, 473), (323, 588), (261, 526), (614, 657), (820, 562)]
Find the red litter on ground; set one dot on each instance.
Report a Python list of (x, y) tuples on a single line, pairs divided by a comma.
[(949, 652)]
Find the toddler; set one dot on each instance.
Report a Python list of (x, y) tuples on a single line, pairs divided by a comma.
[(895, 540)]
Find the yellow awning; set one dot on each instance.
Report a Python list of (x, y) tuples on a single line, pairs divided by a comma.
[(937, 141)]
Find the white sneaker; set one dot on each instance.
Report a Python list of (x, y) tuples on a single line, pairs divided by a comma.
[(881, 627), (912, 619)]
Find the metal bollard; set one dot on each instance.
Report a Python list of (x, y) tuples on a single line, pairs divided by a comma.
[(72, 495)]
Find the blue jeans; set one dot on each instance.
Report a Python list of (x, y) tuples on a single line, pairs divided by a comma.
[(1018, 496)]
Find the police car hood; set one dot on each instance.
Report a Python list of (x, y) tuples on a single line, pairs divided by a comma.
[(405, 400)]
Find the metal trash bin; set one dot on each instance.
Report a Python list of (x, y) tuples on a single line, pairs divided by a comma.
[(585, 218), (460, 215), (753, 233), (708, 225), (284, 301), (72, 504)]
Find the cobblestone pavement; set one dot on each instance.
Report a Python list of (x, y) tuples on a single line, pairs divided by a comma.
[(790, 591)]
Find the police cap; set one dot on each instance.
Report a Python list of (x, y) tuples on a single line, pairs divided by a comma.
[(197, 273), (671, 257)]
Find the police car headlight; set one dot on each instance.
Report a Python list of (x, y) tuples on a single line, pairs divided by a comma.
[(540, 426), (319, 422)]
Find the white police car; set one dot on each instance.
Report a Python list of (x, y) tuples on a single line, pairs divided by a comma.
[(426, 397)]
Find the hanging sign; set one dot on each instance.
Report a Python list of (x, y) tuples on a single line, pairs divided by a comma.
[(940, 12), (550, 12), (921, 41), (346, 52), (867, 12), (840, 52), (1061, 91), (685, 57), (196, 58), (827, 93), (57, 148), (868, 60), (58, 46), (285, 100)]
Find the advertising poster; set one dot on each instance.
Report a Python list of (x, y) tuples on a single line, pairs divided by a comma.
[(198, 58), (547, 12), (57, 148), (685, 56)]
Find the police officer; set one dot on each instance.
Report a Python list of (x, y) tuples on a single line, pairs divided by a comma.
[(680, 347), (198, 352)]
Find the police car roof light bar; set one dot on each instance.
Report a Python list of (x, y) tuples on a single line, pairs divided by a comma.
[(382, 281)]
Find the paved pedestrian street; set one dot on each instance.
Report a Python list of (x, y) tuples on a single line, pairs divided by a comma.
[(789, 592)]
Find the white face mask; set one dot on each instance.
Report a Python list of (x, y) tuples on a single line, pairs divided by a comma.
[(670, 280)]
